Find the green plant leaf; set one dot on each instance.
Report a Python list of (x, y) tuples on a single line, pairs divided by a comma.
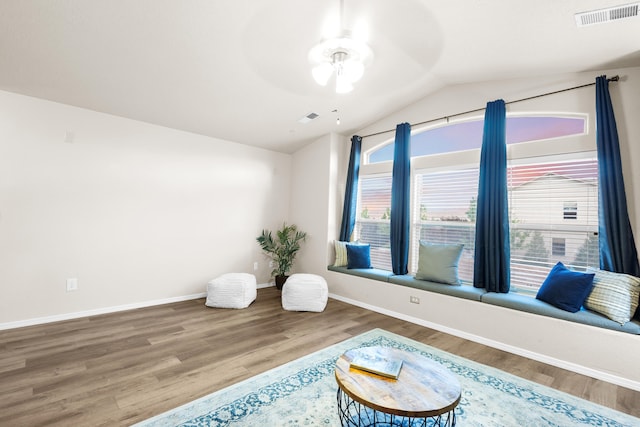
[(283, 249)]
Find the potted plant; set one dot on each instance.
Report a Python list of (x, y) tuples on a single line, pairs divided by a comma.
[(282, 249)]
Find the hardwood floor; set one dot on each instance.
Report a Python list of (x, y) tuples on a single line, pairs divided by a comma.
[(121, 368)]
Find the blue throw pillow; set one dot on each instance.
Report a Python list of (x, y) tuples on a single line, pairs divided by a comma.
[(566, 289), (358, 256)]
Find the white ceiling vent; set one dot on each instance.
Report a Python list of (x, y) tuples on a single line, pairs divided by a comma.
[(308, 118), (607, 15)]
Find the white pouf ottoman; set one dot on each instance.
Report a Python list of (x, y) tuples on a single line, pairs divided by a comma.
[(305, 292), (231, 290)]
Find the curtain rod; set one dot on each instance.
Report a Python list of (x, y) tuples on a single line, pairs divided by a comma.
[(612, 79)]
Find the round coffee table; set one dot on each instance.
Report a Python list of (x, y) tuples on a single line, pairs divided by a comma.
[(425, 393)]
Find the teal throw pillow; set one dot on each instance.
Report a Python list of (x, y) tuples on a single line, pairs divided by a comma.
[(566, 289), (358, 256), (439, 262)]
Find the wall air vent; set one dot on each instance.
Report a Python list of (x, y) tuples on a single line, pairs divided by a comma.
[(308, 118), (607, 15)]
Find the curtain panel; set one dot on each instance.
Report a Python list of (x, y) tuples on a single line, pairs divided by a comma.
[(400, 199), (351, 191), (492, 253), (617, 247)]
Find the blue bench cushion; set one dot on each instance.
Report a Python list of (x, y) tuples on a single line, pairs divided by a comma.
[(369, 273), (461, 291), (531, 305)]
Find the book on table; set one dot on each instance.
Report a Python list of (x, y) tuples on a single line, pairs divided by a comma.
[(385, 366)]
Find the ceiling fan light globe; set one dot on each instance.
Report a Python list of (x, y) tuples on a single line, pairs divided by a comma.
[(321, 73), (343, 85), (353, 70)]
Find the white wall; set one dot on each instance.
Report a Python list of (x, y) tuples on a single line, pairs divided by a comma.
[(593, 351), (136, 212), (314, 203)]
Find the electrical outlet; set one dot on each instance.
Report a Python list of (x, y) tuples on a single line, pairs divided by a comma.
[(72, 284), (255, 266), (270, 264), (414, 300)]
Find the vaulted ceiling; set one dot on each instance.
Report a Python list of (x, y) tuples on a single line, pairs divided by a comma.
[(238, 69)]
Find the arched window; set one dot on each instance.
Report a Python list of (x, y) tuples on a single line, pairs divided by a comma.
[(552, 190), (467, 135)]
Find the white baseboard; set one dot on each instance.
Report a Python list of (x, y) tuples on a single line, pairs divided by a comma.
[(573, 367), (105, 310)]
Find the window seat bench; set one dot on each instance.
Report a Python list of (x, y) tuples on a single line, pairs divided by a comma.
[(369, 273), (531, 305), (510, 300), (468, 292)]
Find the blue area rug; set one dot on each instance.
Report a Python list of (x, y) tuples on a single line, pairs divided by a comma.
[(303, 393)]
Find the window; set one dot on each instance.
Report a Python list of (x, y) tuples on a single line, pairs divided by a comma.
[(446, 213), (540, 236), (552, 176), (570, 210), (558, 246), (373, 218)]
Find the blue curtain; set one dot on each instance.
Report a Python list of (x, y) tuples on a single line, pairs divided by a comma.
[(617, 247), (351, 190), (492, 255), (400, 196)]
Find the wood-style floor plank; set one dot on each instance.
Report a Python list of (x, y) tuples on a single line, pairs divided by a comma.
[(121, 368)]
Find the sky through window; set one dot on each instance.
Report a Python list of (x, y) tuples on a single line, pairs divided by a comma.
[(461, 136)]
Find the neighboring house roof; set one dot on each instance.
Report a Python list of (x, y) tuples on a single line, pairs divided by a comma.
[(521, 182)]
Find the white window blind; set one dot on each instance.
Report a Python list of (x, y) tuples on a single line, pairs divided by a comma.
[(553, 208), (373, 218), (445, 212)]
